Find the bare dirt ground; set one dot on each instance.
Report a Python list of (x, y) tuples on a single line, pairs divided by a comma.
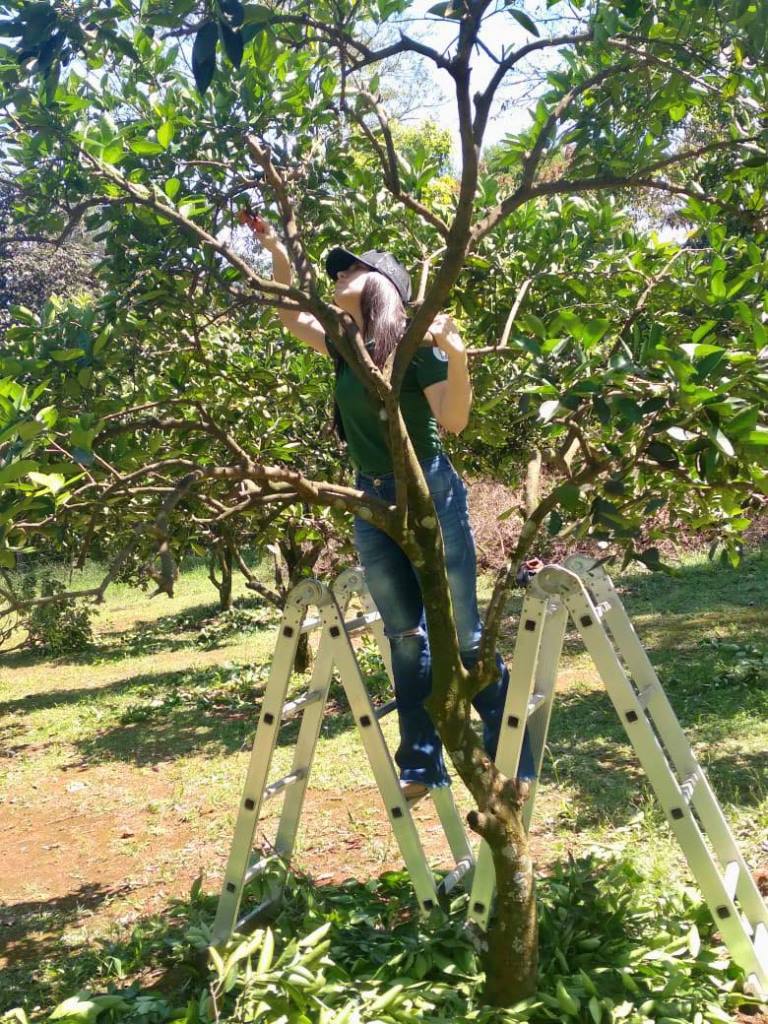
[(83, 854)]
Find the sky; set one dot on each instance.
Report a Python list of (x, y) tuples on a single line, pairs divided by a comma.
[(500, 31)]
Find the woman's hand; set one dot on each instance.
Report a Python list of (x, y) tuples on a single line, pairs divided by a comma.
[(446, 335), (264, 231)]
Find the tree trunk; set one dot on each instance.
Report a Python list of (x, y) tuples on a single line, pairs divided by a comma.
[(303, 662), (221, 558), (533, 483), (225, 590), (511, 953), (298, 557)]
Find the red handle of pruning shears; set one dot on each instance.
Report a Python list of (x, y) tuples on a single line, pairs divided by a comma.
[(252, 220)]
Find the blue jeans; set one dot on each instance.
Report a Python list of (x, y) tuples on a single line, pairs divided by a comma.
[(394, 586)]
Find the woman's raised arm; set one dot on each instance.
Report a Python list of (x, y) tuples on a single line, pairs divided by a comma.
[(304, 326)]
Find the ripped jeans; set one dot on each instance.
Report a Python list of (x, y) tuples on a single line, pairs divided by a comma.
[(395, 589)]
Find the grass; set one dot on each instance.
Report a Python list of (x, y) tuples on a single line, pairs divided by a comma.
[(154, 724)]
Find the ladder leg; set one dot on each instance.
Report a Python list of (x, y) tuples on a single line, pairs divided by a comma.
[(532, 679), (676, 744), (309, 733), (260, 761), (450, 819), (381, 763), (540, 716), (675, 795), (303, 756), (352, 581)]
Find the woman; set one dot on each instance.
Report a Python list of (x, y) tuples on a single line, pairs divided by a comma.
[(373, 288)]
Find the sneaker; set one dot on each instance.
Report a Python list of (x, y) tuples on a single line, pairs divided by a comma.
[(413, 790)]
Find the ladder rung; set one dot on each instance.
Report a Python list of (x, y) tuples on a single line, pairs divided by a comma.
[(451, 880), (644, 696), (360, 622), (537, 699), (255, 911), (689, 784), (256, 869), (351, 625), (292, 706), (731, 877), (386, 709), (281, 784)]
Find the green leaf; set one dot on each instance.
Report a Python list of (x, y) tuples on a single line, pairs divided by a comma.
[(267, 953), (112, 153), (554, 523), (662, 453), (445, 10), (233, 43), (314, 937), (204, 55), (66, 355), (594, 330), (171, 187), (15, 470), (548, 409), (165, 134), (79, 1007), (145, 147), (101, 340), (717, 286), (52, 482), (522, 19), (629, 410), (258, 14), (30, 429), (702, 330), (721, 441), (569, 496), (535, 324), (234, 11)]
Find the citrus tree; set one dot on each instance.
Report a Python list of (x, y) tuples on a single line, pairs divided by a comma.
[(635, 364)]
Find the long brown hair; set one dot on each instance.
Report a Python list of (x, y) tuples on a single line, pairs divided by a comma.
[(384, 317)]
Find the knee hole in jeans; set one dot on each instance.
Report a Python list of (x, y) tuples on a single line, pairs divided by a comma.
[(405, 634)]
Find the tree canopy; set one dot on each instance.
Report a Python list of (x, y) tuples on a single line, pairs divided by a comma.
[(636, 365)]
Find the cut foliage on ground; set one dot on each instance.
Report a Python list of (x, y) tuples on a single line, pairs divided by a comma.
[(122, 771)]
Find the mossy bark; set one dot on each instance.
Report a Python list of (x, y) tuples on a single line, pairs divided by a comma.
[(511, 954)]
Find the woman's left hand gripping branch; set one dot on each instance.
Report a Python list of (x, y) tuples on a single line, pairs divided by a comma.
[(446, 335)]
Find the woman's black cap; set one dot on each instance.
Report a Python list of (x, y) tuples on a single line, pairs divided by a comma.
[(383, 262)]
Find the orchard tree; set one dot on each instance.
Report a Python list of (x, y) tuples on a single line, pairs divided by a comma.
[(33, 268), (633, 363)]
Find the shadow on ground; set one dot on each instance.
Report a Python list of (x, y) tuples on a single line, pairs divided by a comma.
[(589, 750), (31, 931), (42, 970)]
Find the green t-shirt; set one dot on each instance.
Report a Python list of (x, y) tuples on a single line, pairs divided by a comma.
[(366, 431)]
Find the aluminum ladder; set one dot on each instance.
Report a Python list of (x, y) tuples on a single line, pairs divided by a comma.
[(581, 590), (335, 650)]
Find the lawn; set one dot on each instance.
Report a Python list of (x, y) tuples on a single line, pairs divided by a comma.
[(122, 767)]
